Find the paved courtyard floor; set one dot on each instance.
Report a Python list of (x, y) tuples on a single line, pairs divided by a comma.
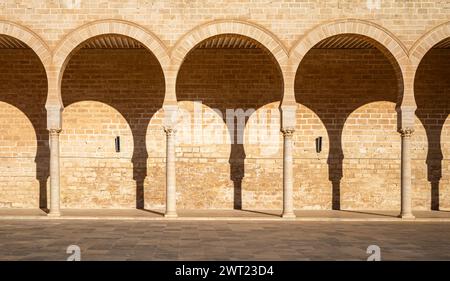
[(222, 240), (268, 215)]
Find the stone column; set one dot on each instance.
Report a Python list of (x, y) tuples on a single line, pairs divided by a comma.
[(406, 202), (54, 173), (288, 181), (171, 200)]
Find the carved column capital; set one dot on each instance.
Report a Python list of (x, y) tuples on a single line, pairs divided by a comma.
[(288, 132), (170, 131), (54, 131), (406, 132)]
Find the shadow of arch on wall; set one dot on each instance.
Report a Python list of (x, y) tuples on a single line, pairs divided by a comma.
[(24, 86), (371, 164), (18, 150), (201, 135), (432, 92), (241, 76), (263, 144), (336, 76), (126, 76), (95, 174)]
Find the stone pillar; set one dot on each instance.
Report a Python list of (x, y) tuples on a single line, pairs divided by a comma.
[(171, 199), (406, 202), (288, 181), (54, 173)]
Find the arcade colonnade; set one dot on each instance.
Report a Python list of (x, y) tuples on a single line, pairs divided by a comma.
[(404, 62)]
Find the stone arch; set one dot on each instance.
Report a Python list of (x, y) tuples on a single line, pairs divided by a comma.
[(129, 80), (253, 31), (70, 44), (255, 80), (30, 38), (264, 37), (427, 41), (386, 42), (334, 83)]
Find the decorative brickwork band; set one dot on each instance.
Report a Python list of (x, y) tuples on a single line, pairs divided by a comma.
[(54, 173), (288, 200), (171, 199), (406, 202)]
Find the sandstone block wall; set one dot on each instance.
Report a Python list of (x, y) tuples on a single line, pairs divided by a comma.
[(346, 96), (433, 107), (169, 20), (108, 93), (24, 137)]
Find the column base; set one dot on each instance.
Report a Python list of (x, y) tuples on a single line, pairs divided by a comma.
[(407, 216), (288, 216), (171, 215), (54, 214)]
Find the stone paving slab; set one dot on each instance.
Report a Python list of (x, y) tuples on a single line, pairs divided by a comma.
[(270, 215), (222, 240)]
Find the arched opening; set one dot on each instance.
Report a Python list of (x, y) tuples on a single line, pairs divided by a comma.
[(234, 75), (24, 137), (337, 76), (432, 94), (119, 72)]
